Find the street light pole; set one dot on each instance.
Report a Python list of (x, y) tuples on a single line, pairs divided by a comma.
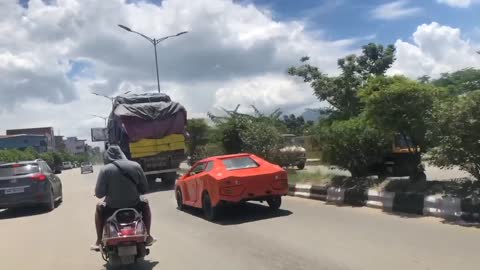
[(155, 43), (104, 118), (156, 64)]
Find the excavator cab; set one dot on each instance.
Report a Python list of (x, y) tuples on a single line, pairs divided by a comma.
[(403, 160)]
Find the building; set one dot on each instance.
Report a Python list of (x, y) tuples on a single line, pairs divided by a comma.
[(44, 131), (75, 146), (24, 141), (59, 143)]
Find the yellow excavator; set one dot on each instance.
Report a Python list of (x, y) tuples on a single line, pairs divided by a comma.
[(403, 160)]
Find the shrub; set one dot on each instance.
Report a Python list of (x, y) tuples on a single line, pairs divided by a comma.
[(352, 144), (456, 130)]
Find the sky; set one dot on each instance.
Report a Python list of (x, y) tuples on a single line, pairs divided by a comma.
[(54, 53)]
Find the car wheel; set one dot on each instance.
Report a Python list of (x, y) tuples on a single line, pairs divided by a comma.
[(274, 202), (301, 166), (209, 211), (50, 204), (179, 198), (60, 200)]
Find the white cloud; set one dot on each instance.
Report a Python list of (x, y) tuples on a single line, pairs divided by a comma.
[(229, 46), (395, 10), (270, 91), (435, 49), (457, 3)]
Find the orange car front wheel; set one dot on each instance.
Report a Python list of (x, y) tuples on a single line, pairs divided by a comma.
[(179, 198)]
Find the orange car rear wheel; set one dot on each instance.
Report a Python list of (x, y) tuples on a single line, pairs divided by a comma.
[(274, 202), (209, 211)]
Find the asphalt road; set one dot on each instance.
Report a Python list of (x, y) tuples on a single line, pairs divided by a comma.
[(305, 234)]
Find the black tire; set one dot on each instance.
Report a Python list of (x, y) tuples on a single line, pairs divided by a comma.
[(210, 212), (274, 202), (301, 166), (50, 205), (179, 198)]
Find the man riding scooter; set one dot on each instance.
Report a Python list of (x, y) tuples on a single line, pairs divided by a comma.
[(121, 182)]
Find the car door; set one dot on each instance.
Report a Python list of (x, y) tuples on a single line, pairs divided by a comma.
[(54, 180), (200, 180), (191, 181)]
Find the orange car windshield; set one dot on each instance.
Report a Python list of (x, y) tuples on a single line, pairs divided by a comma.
[(237, 163)]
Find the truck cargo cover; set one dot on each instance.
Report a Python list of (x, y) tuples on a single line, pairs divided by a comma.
[(149, 111), (141, 116)]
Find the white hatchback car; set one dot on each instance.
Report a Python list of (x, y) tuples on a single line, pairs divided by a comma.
[(86, 167), (67, 165)]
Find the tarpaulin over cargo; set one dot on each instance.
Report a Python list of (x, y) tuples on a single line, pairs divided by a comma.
[(141, 98), (151, 115)]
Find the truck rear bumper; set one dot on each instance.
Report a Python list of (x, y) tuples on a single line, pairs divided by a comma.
[(161, 171)]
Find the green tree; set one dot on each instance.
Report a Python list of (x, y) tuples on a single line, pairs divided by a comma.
[(341, 92), (258, 133), (352, 144), (260, 139), (424, 79), (456, 128), (295, 124), (198, 134), (400, 105), (459, 82)]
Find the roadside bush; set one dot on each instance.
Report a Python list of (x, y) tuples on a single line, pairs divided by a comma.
[(260, 139), (352, 144), (197, 129), (456, 130)]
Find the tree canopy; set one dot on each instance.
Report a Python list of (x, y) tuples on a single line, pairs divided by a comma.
[(459, 82), (456, 128), (341, 91), (399, 105)]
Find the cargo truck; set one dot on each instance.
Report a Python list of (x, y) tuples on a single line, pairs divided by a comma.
[(150, 129)]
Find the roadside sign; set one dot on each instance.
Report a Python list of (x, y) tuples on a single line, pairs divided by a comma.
[(99, 134)]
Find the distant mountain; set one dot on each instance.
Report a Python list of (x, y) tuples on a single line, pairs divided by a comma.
[(311, 115)]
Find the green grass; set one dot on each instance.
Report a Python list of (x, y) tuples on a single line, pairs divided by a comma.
[(317, 178), (314, 154)]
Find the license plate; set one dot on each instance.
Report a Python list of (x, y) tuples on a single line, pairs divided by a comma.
[(14, 190), (127, 251)]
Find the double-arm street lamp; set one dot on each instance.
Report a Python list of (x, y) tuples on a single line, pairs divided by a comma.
[(155, 42), (102, 117)]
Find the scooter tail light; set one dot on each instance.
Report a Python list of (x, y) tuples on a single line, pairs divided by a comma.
[(127, 231)]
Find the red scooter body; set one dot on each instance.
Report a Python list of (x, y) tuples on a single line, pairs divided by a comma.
[(124, 238)]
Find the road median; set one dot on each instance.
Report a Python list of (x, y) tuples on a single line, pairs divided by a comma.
[(437, 205)]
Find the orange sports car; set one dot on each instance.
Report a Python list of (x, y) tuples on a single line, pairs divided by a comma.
[(218, 180)]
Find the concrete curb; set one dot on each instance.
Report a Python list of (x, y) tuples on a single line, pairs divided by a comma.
[(308, 191), (379, 199), (414, 203)]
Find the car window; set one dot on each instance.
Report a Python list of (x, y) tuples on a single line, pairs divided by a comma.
[(209, 166), (239, 163), (198, 169), (45, 167), (18, 169)]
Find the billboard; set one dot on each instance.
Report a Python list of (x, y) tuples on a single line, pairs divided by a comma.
[(99, 134)]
